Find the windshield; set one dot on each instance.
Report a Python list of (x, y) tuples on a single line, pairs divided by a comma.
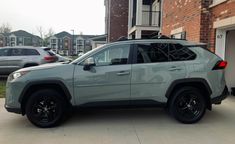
[(88, 53)]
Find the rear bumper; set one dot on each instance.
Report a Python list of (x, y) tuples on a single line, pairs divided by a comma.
[(219, 99)]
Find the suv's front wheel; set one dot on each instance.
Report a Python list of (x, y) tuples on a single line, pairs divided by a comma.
[(187, 105), (45, 108)]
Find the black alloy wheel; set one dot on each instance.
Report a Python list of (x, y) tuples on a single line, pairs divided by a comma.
[(45, 108), (188, 105)]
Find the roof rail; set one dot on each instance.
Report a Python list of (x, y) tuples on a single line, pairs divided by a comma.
[(123, 38)]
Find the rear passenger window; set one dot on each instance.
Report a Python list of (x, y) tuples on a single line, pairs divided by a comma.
[(16, 52), (31, 52), (151, 53), (179, 53), (162, 52)]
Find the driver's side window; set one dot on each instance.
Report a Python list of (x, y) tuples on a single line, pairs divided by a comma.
[(114, 55)]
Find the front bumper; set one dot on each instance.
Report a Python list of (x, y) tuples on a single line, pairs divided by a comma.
[(13, 110), (219, 99)]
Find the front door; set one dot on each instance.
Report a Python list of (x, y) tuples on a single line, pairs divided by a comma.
[(108, 80)]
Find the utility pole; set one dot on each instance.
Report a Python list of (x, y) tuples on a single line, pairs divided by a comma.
[(71, 51)]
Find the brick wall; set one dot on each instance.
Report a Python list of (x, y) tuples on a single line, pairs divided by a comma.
[(117, 19), (189, 14), (219, 12)]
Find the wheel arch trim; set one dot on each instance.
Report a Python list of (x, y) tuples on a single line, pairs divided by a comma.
[(188, 80), (43, 82)]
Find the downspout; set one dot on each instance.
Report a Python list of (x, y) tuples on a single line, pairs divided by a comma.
[(161, 14)]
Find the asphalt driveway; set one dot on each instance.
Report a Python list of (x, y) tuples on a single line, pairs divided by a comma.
[(141, 126)]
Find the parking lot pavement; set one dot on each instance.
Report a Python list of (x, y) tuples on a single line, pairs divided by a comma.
[(143, 126)]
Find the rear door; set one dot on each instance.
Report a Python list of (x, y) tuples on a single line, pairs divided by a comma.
[(4, 69), (15, 59), (156, 67)]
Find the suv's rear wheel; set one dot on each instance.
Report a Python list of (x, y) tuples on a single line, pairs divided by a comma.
[(187, 105), (45, 108)]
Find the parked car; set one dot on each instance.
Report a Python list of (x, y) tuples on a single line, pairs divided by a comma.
[(176, 74), (80, 54), (14, 58), (62, 58)]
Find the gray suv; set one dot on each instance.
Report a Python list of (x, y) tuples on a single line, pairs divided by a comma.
[(14, 58), (179, 75)]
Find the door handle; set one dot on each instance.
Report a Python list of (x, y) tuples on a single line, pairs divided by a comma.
[(174, 69), (122, 73)]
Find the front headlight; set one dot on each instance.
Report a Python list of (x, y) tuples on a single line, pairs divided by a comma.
[(16, 75)]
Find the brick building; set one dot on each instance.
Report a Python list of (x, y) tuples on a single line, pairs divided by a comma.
[(132, 18), (116, 19), (186, 19), (208, 21)]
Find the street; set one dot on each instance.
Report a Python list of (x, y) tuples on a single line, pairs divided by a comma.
[(132, 126)]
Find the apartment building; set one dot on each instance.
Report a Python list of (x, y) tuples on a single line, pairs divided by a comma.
[(19, 38), (144, 18), (132, 18), (65, 43)]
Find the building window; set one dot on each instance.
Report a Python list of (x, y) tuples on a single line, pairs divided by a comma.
[(53, 40), (80, 42), (218, 1)]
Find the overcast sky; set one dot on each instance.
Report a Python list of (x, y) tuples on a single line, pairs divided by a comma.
[(86, 16)]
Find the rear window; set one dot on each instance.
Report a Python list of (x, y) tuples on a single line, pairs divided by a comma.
[(31, 52), (50, 52)]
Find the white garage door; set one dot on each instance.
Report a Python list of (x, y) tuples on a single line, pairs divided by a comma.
[(230, 57)]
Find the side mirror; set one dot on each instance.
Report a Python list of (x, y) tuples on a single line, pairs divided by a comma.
[(89, 63)]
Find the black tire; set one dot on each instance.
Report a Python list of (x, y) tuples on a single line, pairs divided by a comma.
[(187, 105), (46, 108)]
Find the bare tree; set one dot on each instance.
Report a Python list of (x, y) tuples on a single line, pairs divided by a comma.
[(41, 32), (5, 28), (45, 35), (49, 33)]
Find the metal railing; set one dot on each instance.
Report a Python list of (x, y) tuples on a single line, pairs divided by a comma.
[(149, 18)]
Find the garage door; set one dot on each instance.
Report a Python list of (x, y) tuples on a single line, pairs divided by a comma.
[(230, 57)]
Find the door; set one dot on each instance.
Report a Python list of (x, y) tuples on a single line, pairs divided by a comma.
[(108, 80), (155, 69), (4, 69), (16, 56), (230, 57)]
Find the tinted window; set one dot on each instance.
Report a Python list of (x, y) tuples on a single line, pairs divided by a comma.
[(160, 52), (31, 52), (3, 52), (50, 52), (16, 52), (179, 53), (114, 55), (151, 53)]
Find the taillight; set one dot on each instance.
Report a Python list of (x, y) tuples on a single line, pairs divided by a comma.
[(220, 65), (50, 58)]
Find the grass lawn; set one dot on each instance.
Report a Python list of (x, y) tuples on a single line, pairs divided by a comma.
[(2, 88)]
